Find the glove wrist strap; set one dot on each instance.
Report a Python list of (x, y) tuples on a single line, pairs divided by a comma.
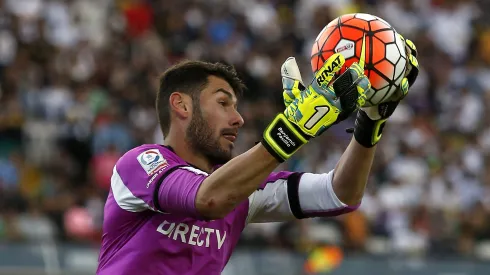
[(282, 138), (368, 132)]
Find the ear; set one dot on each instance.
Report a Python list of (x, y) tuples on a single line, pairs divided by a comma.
[(180, 104)]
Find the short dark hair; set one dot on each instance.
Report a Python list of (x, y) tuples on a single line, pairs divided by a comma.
[(191, 77)]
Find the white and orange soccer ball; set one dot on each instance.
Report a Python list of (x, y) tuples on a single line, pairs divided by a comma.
[(385, 56)]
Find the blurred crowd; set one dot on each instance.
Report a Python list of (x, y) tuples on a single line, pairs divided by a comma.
[(78, 80)]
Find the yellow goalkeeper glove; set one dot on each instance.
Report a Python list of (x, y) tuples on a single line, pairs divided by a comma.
[(370, 121), (311, 110)]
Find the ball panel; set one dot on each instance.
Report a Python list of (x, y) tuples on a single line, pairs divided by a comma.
[(325, 56), (378, 25), (325, 34), (384, 21), (387, 36), (351, 33), (365, 16), (377, 80), (357, 23), (333, 23), (401, 46), (392, 53), (399, 70), (389, 93), (320, 36), (315, 49), (346, 17), (379, 95), (315, 62), (386, 69), (332, 40), (379, 53)]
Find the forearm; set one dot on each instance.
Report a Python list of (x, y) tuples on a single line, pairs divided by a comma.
[(234, 182), (352, 172)]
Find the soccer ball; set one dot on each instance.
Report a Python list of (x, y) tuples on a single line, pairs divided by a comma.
[(385, 56)]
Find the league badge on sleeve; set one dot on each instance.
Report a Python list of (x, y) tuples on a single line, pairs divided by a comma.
[(152, 161)]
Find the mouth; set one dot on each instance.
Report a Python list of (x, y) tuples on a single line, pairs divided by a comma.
[(230, 136)]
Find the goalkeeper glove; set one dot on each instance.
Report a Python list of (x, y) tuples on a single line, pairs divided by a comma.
[(311, 110), (370, 121)]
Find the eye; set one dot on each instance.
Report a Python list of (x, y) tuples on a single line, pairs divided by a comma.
[(223, 102)]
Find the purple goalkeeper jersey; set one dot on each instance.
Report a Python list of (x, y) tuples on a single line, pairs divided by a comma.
[(151, 225)]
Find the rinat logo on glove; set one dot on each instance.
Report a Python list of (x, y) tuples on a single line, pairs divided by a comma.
[(327, 71)]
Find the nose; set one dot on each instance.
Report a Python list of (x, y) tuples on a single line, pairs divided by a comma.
[(237, 120)]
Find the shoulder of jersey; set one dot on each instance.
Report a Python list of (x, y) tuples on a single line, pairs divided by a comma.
[(151, 157)]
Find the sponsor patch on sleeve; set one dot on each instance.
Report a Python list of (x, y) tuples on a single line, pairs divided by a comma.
[(152, 161)]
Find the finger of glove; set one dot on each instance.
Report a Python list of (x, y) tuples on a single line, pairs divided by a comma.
[(354, 96), (346, 81), (404, 87), (291, 90), (413, 61), (401, 37), (411, 46), (289, 69), (357, 70), (401, 92), (345, 88), (286, 98), (412, 70), (349, 78), (292, 112), (363, 86), (348, 93)]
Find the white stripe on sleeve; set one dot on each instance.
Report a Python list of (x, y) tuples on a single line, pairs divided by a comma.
[(123, 196), (316, 193)]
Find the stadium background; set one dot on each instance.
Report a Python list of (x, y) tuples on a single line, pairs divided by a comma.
[(77, 86)]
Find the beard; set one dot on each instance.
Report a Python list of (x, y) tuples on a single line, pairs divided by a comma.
[(200, 136)]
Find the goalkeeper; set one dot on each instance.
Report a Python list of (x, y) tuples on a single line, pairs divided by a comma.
[(170, 211)]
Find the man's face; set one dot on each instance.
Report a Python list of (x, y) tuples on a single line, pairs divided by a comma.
[(215, 122)]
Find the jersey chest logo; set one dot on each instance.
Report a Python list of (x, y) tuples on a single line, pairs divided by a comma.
[(192, 234)]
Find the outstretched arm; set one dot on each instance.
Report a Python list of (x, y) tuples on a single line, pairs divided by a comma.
[(352, 171)]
